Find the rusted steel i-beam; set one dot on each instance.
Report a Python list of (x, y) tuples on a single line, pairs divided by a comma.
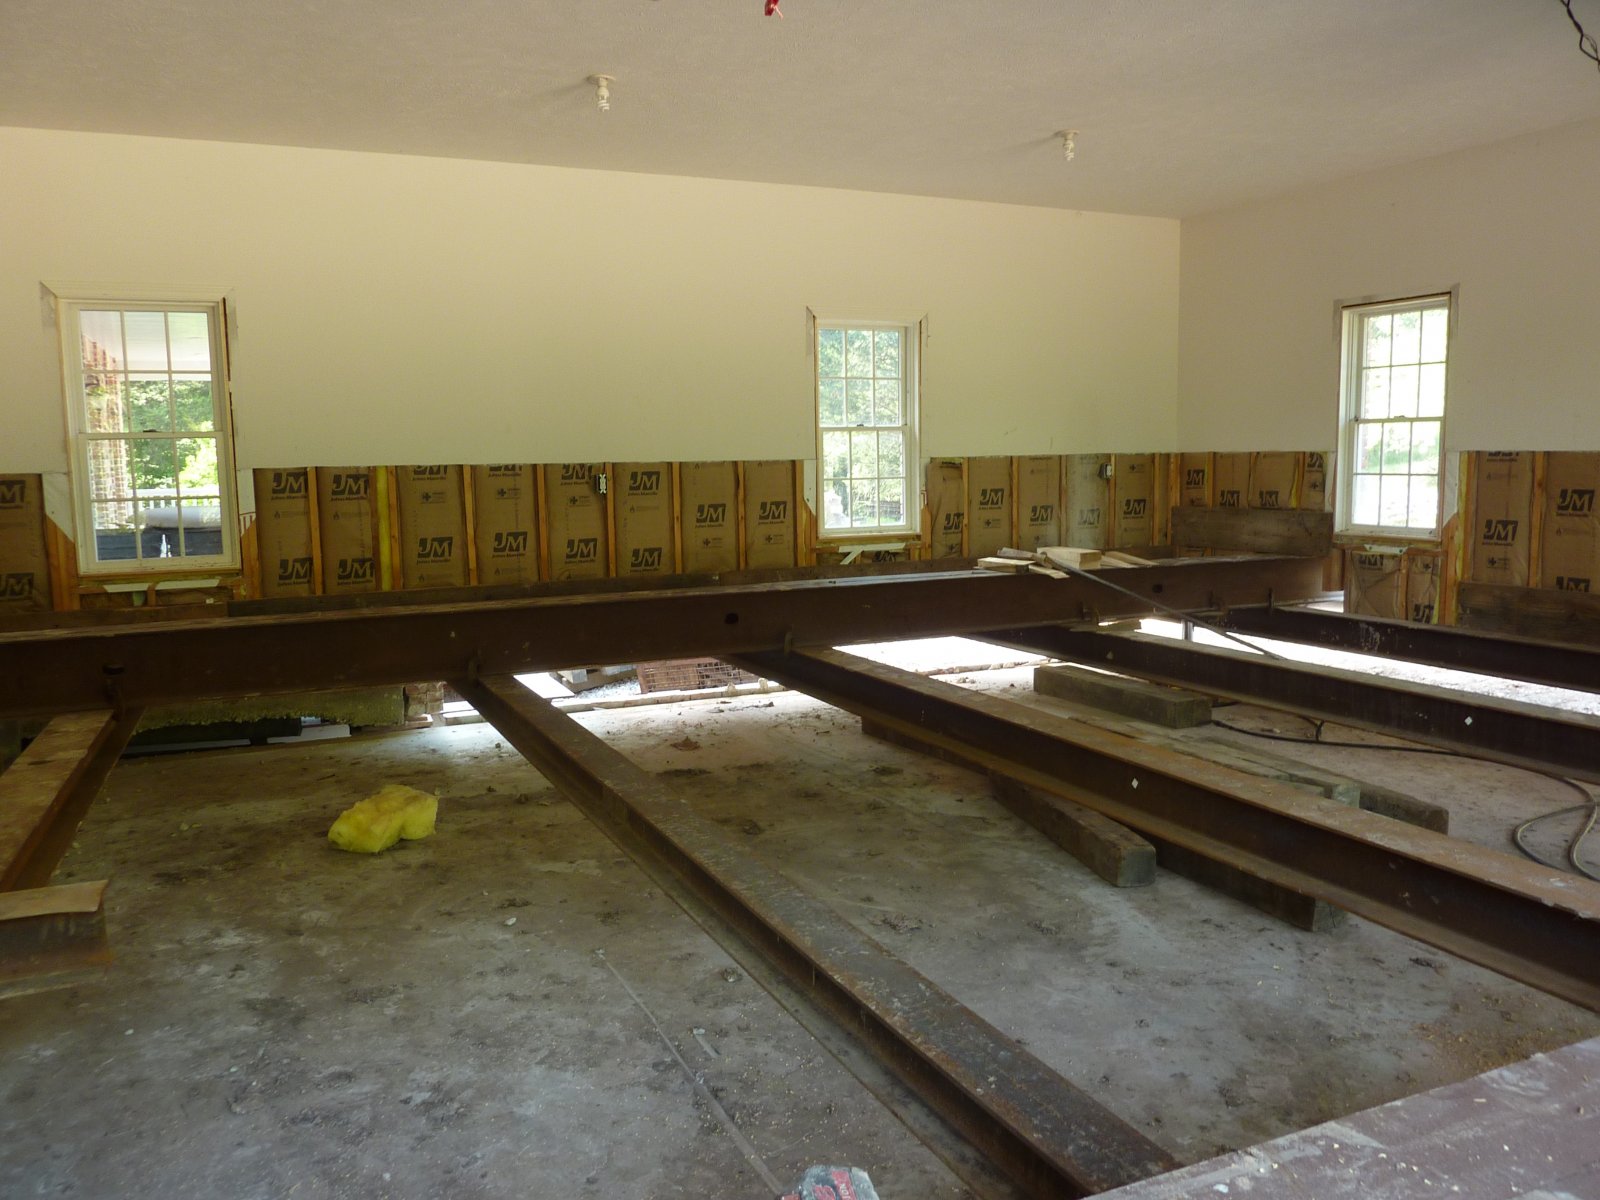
[(1557, 664), (1050, 1138), (1512, 916), (66, 670), (1507, 731), (46, 792)]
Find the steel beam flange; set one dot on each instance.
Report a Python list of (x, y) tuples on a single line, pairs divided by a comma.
[(66, 670), (1555, 664)]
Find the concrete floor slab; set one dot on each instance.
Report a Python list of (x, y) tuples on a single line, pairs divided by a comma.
[(437, 1020)]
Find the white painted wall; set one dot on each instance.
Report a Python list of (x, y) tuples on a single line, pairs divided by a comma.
[(395, 310), (1515, 225)]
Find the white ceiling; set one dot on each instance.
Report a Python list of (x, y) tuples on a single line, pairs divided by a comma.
[(1183, 105)]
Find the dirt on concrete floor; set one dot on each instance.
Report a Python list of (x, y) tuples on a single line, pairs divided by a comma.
[(454, 1017)]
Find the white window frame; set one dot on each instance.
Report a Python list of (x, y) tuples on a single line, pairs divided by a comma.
[(1352, 366), (911, 335), (71, 300)]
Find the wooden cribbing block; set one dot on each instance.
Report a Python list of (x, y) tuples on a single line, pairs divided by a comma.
[(1174, 708), (1291, 907), (1005, 566), (1387, 802), (1356, 793), (52, 937), (906, 742), (1268, 766), (1112, 851), (1071, 556), (1370, 797), (1276, 767)]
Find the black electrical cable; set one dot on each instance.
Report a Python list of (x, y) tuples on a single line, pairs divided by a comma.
[(1586, 44), (1574, 847), (1317, 740)]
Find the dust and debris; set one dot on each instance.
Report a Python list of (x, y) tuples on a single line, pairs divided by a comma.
[(900, 922)]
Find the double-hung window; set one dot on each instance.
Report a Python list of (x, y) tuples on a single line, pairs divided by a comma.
[(1392, 417), (867, 427), (152, 454)]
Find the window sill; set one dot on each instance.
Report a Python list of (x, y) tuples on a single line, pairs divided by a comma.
[(852, 536), (1385, 537), (143, 578)]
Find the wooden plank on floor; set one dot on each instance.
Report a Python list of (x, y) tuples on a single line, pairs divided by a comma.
[(52, 937), (46, 791)]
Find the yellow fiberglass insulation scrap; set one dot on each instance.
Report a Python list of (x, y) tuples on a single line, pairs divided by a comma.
[(395, 811)]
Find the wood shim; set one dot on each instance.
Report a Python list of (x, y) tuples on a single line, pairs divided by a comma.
[(1079, 557), (1006, 566)]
